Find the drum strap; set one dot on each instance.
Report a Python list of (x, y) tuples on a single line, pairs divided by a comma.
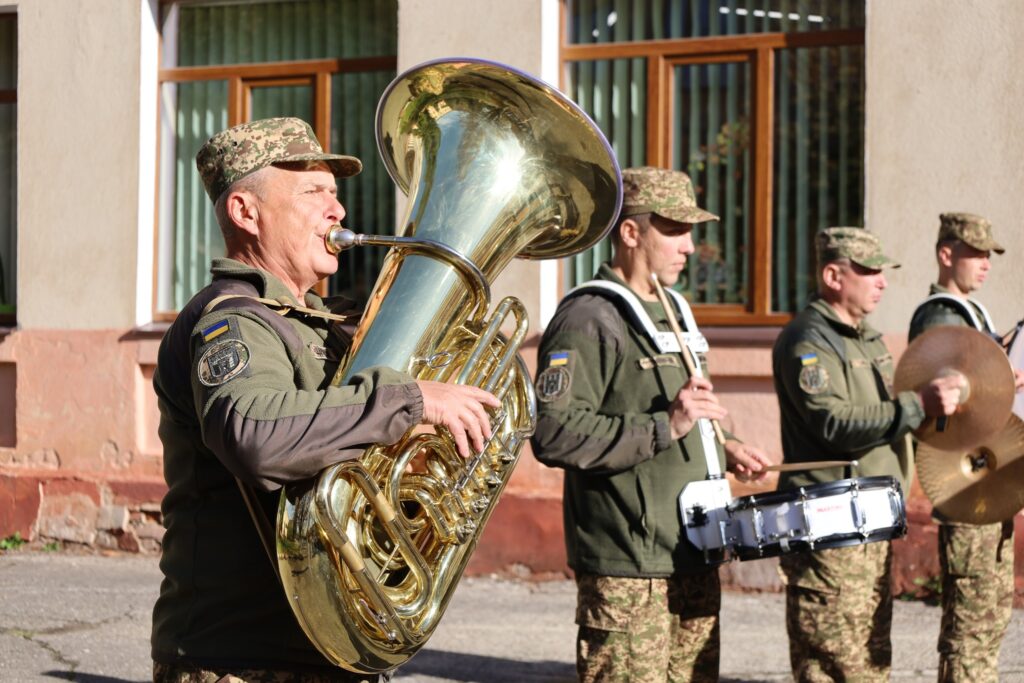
[(666, 342), (967, 306)]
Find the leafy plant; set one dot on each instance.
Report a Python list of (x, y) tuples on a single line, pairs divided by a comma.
[(12, 542)]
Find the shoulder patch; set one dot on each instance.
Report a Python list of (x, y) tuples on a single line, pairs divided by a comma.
[(223, 362), (553, 383), (814, 379)]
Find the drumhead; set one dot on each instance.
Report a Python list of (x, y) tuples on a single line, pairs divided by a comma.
[(813, 491)]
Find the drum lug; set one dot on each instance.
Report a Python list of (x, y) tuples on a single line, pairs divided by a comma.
[(860, 519)]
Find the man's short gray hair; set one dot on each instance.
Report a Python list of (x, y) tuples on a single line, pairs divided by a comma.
[(253, 183)]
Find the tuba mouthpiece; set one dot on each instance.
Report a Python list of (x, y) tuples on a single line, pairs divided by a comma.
[(338, 239)]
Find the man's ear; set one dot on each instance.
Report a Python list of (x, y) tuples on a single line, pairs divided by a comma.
[(944, 255), (243, 209), (831, 276), (629, 233)]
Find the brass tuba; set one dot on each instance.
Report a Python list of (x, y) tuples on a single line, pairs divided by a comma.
[(495, 165)]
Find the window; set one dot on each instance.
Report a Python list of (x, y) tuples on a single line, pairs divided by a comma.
[(225, 62), (761, 102), (8, 164)]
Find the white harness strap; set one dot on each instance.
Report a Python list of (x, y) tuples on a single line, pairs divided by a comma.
[(666, 342), (960, 303)]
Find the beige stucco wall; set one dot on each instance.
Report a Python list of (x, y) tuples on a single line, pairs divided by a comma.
[(944, 103), (78, 163)]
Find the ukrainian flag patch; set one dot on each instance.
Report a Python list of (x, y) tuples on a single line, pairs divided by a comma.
[(215, 330), (558, 358), (808, 359)]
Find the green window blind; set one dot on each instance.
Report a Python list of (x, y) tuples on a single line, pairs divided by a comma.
[(818, 131), (8, 164), (246, 33)]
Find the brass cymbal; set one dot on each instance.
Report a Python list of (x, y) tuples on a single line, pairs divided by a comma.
[(979, 486), (988, 398)]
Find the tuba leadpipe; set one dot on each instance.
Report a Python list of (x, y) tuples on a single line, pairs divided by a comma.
[(495, 165)]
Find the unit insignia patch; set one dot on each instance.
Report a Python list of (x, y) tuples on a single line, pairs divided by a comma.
[(223, 362), (814, 379), (553, 383)]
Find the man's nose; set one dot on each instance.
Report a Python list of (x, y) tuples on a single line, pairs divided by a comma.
[(335, 211)]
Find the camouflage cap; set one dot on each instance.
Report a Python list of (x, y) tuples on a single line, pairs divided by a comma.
[(235, 153), (661, 191), (856, 244), (970, 229)]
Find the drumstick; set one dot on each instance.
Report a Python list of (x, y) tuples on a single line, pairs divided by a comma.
[(684, 350), (815, 465)]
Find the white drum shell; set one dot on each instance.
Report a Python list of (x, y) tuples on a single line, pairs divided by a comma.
[(840, 513)]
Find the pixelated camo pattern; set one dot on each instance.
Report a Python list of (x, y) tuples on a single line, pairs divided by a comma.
[(237, 152), (970, 228), (839, 613), (638, 630), (667, 193), (977, 600), (856, 244)]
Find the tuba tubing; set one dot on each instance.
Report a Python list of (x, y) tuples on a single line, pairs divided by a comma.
[(495, 165)]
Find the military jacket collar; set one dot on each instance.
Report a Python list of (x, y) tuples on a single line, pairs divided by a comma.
[(269, 286), (862, 331)]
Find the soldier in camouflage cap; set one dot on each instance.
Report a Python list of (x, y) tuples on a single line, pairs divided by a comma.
[(235, 153), (854, 244), (247, 405), (834, 380), (975, 561), (970, 229), (617, 411)]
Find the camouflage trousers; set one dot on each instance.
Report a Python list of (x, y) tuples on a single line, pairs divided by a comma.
[(977, 599), (839, 613), (186, 673), (636, 630)]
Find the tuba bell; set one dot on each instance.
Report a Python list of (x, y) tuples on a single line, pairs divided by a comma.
[(495, 165)]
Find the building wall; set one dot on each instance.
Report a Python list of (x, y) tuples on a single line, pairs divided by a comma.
[(79, 456), (943, 121)]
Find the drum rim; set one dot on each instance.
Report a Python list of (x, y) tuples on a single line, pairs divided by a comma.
[(813, 491)]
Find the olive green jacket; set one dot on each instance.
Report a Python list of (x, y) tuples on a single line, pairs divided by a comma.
[(836, 402), (604, 420), (244, 392)]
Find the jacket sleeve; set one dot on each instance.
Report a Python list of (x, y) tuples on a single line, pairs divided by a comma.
[(815, 383), (268, 432), (577, 363)]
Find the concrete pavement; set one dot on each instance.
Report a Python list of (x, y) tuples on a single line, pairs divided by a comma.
[(86, 618)]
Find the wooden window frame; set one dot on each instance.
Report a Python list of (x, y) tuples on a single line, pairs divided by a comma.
[(757, 49), (241, 78)]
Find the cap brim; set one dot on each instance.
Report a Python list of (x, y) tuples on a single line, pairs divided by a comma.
[(688, 215), (879, 262), (986, 245), (341, 166)]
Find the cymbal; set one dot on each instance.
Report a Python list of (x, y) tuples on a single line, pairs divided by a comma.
[(988, 399), (979, 486)]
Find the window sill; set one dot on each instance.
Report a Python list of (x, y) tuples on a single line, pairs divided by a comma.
[(760, 336)]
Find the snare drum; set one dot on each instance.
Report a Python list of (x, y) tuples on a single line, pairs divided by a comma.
[(831, 515)]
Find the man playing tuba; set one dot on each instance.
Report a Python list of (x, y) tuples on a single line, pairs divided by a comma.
[(243, 380)]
